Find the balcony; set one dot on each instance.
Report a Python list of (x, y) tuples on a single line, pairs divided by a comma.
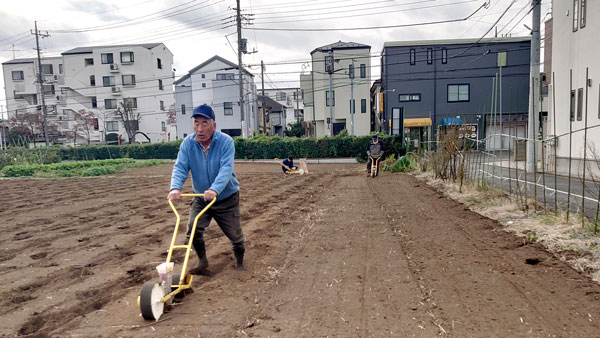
[(116, 90)]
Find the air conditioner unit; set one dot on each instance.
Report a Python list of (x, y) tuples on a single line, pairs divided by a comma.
[(114, 66), (55, 77), (58, 97), (116, 90)]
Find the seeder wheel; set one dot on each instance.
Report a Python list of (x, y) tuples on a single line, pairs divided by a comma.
[(151, 303)]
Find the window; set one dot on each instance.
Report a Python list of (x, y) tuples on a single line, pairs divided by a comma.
[(298, 112), (107, 58), (429, 56), (94, 102), (92, 80), (363, 71), (183, 109), (160, 85), (110, 103), (47, 69), (163, 126), (162, 105), (108, 81), (298, 95), (126, 57), (444, 55), (203, 85), (203, 76), (47, 89), (60, 68), (413, 57), (128, 80), (280, 96), (112, 125), (228, 108), (95, 124), (579, 104), (363, 106), (409, 97), (18, 96), (458, 93), (88, 62), (225, 76), (572, 105), (327, 98), (158, 63), (130, 102), (575, 15), (18, 75), (582, 13)]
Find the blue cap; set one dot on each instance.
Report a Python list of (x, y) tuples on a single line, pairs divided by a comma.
[(374, 136), (205, 111)]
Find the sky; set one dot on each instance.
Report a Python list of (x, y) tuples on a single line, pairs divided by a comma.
[(278, 31)]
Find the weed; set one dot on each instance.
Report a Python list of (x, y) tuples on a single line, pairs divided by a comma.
[(531, 237)]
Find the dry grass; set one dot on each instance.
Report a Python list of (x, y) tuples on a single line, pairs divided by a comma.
[(568, 241)]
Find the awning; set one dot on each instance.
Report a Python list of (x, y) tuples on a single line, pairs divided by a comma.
[(418, 122), (451, 121)]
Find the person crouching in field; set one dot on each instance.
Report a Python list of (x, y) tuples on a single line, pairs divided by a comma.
[(209, 154), (289, 162)]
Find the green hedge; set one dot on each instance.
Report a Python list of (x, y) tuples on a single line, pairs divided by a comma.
[(259, 147), (30, 170)]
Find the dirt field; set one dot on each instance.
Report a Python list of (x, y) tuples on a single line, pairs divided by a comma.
[(334, 253)]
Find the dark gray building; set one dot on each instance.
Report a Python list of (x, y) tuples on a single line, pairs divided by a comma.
[(428, 84)]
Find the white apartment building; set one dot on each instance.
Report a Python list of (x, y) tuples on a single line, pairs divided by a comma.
[(576, 70), (348, 57), (216, 82), (291, 99), (98, 80)]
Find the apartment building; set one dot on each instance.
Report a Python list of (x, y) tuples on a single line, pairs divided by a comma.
[(98, 80), (216, 82), (350, 66), (575, 78), (291, 98)]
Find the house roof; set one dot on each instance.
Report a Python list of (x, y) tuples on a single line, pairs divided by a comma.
[(270, 103), (454, 41), (28, 60), (203, 64), (340, 45), (90, 49)]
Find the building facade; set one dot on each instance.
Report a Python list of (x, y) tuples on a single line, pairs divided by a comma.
[(94, 84), (216, 82), (429, 84), (347, 58), (291, 99), (575, 78)]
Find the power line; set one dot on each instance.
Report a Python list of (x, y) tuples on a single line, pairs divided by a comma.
[(367, 28)]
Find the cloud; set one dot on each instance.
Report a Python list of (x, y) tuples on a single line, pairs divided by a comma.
[(103, 11)]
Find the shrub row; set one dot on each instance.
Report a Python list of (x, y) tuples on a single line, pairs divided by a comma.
[(259, 147)]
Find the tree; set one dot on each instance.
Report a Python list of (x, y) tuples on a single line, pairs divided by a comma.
[(87, 122), (130, 120), (172, 115), (31, 122), (295, 129)]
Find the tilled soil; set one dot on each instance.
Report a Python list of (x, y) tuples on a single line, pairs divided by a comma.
[(333, 253)]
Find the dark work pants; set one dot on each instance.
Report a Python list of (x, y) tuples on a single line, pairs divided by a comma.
[(227, 215)]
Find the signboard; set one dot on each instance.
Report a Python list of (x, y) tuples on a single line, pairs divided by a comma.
[(467, 131), (381, 102)]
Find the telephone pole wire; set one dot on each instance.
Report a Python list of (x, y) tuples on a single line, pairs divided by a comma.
[(41, 81)]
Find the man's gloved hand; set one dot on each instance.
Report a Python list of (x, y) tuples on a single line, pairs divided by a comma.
[(369, 153)]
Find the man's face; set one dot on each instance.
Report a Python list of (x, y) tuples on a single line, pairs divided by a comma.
[(375, 140), (204, 128)]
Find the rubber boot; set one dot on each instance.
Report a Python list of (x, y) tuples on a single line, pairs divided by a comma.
[(239, 257), (200, 248)]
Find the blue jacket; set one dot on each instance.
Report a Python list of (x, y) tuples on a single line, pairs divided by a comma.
[(215, 173), (289, 164)]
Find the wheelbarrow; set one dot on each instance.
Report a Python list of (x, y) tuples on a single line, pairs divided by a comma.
[(154, 295), (288, 169)]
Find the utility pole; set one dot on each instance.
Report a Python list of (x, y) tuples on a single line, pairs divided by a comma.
[(41, 81), (352, 105), (264, 111), (532, 126), (329, 69), (297, 105), (239, 38)]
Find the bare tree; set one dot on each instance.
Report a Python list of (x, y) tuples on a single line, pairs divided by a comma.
[(130, 119), (88, 122), (171, 115), (29, 121)]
